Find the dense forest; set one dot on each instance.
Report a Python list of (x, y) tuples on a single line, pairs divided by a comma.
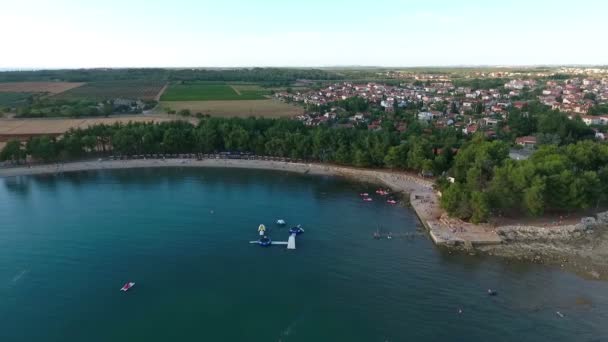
[(555, 179), (551, 127), (272, 137)]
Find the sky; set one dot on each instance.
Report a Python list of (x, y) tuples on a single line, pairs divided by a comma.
[(311, 33)]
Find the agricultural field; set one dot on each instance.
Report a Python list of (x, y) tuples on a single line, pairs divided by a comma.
[(13, 99), (98, 91), (260, 108), (38, 87), (24, 127), (201, 91)]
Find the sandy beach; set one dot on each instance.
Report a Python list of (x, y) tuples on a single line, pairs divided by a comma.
[(401, 182)]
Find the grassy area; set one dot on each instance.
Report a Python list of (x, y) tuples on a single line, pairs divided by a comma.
[(213, 92), (12, 99), (246, 108), (144, 90)]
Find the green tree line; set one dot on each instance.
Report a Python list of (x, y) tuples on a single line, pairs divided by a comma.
[(270, 75), (273, 137), (555, 179), (550, 126)]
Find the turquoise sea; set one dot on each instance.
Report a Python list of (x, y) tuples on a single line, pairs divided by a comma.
[(69, 242)]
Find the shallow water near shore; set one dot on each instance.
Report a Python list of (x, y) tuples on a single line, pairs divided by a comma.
[(69, 242)]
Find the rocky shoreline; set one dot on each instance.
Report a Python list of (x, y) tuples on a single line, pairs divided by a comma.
[(582, 247)]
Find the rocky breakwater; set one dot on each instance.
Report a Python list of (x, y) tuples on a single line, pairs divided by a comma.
[(568, 233), (582, 247)]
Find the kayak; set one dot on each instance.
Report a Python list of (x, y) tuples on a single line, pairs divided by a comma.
[(127, 286)]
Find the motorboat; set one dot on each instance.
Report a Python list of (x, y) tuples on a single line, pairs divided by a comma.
[(126, 287), (281, 222)]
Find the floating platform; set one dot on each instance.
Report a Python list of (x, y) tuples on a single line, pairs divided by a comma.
[(290, 243)]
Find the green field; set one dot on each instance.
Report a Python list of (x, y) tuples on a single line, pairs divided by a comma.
[(13, 99), (144, 90), (214, 92)]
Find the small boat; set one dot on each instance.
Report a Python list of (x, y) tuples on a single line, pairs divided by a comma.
[(127, 286), (391, 201), (368, 199), (560, 314), (365, 194), (296, 230), (281, 222)]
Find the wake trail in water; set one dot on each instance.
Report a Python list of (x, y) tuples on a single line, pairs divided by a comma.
[(285, 333), (19, 276)]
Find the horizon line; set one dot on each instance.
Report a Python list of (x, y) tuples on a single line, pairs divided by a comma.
[(445, 66)]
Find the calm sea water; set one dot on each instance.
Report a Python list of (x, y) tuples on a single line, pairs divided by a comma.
[(69, 242)]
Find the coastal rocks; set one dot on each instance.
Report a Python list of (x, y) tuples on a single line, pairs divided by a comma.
[(538, 234), (581, 247), (588, 221), (602, 218)]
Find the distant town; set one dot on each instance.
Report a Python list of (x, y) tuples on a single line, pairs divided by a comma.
[(440, 103)]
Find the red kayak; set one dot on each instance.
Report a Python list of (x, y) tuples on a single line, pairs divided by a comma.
[(127, 286)]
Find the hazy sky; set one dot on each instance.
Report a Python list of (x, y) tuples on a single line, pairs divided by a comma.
[(199, 33)]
